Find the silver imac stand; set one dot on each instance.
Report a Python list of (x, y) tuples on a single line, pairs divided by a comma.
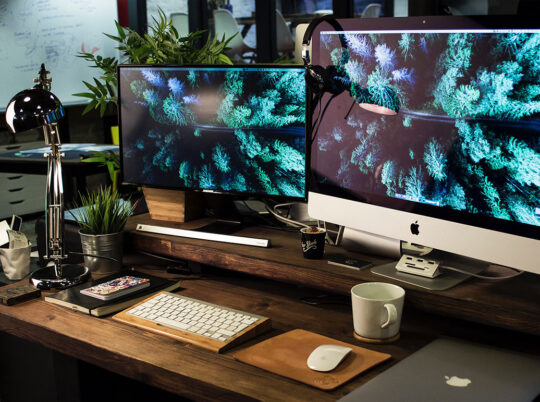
[(364, 242)]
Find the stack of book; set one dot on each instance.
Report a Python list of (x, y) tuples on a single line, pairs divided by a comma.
[(112, 293)]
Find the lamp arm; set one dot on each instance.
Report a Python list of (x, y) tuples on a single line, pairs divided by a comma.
[(54, 207)]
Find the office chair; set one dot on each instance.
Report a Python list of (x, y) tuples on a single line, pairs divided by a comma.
[(180, 22), (298, 42), (372, 10), (478, 7), (284, 39), (225, 24)]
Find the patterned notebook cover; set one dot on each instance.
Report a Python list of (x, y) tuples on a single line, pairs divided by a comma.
[(116, 287)]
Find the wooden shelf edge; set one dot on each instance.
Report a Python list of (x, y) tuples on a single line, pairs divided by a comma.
[(441, 303)]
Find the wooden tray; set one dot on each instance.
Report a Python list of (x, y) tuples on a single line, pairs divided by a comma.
[(263, 325), (287, 355)]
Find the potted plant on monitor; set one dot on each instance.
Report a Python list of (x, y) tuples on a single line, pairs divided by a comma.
[(102, 216), (161, 45)]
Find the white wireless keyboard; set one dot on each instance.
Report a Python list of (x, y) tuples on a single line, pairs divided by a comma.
[(195, 321)]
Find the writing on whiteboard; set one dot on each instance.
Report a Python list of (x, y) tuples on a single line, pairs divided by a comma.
[(53, 32)]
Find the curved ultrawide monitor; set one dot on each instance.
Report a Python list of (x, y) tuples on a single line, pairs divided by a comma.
[(435, 136), (223, 129)]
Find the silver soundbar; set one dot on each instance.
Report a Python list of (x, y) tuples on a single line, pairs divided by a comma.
[(194, 234)]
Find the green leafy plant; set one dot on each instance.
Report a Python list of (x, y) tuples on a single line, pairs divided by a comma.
[(162, 45), (110, 159), (103, 212)]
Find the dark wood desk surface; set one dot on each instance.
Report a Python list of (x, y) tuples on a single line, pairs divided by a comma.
[(512, 304), (272, 282), (199, 374)]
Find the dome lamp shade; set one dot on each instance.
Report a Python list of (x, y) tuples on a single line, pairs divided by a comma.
[(33, 108)]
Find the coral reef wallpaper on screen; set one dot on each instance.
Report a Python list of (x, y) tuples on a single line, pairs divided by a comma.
[(239, 130), (461, 127)]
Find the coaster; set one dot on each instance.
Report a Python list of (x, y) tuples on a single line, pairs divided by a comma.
[(372, 340)]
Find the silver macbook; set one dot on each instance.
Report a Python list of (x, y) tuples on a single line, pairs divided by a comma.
[(454, 370)]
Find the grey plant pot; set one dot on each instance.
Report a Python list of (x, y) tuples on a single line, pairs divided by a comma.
[(105, 245)]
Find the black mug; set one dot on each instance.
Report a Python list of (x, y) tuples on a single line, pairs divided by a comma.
[(313, 242)]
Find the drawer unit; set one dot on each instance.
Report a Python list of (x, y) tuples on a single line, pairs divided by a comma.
[(21, 194), (16, 181)]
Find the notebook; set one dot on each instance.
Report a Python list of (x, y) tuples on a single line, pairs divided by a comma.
[(455, 370), (74, 299)]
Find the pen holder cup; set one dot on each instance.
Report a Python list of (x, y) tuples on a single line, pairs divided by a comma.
[(15, 262)]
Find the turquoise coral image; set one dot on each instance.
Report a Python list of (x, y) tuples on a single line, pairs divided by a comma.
[(466, 134), (230, 129)]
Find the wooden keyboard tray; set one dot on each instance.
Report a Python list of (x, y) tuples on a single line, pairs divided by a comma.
[(195, 339)]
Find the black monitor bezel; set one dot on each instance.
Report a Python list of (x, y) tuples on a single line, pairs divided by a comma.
[(246, 194), (423, 23)]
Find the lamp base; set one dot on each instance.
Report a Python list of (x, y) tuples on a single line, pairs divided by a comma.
[(46, 278)]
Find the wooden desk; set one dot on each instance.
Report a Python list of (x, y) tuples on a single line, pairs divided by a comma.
[(272, 282), (199, 374), (513, 304)]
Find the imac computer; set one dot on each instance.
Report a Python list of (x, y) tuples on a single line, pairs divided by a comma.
[(434, 135), (222, 129)]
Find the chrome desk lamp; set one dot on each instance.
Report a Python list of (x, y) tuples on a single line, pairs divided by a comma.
[(34, 108)]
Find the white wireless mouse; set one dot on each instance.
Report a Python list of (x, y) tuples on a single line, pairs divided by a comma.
[(327, 357)]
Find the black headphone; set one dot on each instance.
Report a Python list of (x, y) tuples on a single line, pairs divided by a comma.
[(317, 77)]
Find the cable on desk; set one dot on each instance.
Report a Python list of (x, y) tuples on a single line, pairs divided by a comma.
[(180, 270), (266, 220), (297, 224), (322, 299), (490, 278), (161, 257), (282, 218), (95, 256)]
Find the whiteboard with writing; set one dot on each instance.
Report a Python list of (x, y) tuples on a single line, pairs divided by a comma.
[(53, 32)]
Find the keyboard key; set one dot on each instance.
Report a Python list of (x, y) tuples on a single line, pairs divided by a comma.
[(172, 323)]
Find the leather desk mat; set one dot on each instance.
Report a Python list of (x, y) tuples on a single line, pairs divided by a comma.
[(287, 354)]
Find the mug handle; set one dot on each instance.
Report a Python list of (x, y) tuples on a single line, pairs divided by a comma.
[(392, 315)]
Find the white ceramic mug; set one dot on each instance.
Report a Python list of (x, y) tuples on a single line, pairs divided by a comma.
[(377, 308)]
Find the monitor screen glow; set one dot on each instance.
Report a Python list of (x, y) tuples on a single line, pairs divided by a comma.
[(223, 129), (438, 129)]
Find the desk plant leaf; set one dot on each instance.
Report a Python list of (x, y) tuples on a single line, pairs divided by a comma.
[(108, 158), (104, 90), (162, 45), (103, 212)]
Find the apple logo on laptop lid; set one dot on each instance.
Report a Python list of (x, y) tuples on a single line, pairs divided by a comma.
[(456, 381)]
